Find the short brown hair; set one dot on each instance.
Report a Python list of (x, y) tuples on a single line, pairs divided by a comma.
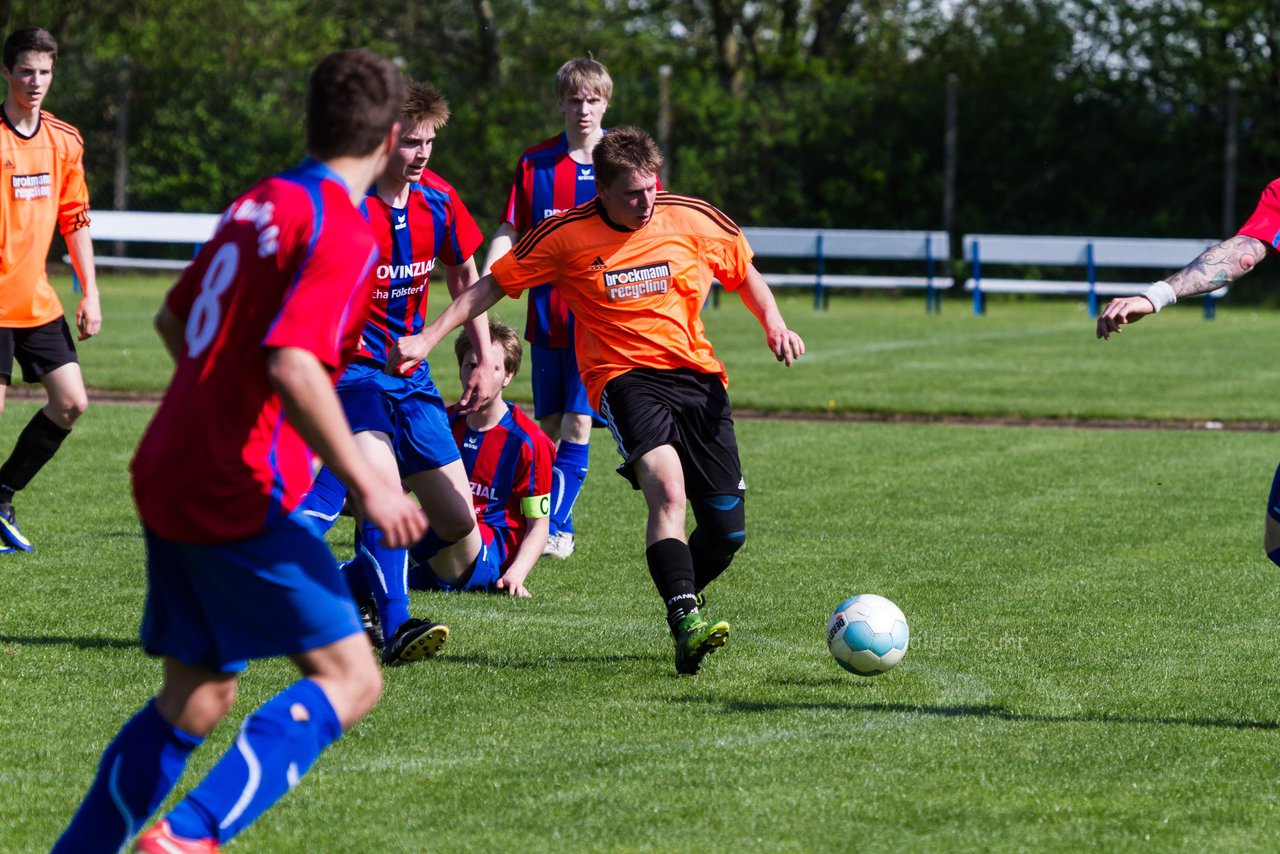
[(623, 150), (29, 39), (423, 103), (499, 333), (583, 73), (353, 99)]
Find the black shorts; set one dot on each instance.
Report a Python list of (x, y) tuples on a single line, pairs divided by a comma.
[(38, 349), (646, 408)]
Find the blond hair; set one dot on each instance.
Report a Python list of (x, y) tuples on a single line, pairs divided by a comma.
[(583, 74)]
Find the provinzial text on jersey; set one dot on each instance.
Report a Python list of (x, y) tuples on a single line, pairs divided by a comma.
[(32, 186), (406, 271), (636, 282)]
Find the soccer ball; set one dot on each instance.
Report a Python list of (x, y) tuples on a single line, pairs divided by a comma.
[(867, 634)]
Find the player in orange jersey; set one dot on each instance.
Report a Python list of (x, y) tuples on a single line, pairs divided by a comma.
[(43, 187), (635, 265)]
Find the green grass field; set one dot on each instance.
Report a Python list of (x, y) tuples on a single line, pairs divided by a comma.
[(1091, 618)]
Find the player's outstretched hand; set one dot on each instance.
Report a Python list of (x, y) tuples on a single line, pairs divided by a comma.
[(1120, 311), (786, 345), (512, 588), (484, 383), (88, 317)]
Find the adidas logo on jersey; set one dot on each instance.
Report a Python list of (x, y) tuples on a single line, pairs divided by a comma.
[(8, 164), (597, 264)]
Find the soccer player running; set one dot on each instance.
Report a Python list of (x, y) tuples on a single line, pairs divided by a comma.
[(1216, 267), (259, 326), (508, 460), (553, 176), (43, 174), (399, 421), (636, 265)]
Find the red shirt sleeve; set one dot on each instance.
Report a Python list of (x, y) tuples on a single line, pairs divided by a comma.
[(519, 207), (1264, 223), (466, 237)]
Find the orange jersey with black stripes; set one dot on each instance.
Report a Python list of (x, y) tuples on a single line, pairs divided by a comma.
[(43, 187), (637, 294)]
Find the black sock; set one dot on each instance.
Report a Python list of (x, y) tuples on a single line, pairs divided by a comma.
[(36, 445), (671, 566), (707, 563)]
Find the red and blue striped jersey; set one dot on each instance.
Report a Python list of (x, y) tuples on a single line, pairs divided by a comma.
[(548, 181), (507, 465), (288, 267), (433, 225)]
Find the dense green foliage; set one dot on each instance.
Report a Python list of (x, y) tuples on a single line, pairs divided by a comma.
[(1075, 116)]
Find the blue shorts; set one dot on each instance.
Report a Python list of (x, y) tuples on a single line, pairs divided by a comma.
[(408, 409), (276, 594), (487, 571), (557, 383)]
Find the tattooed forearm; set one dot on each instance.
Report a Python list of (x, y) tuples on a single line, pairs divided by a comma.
[(1218, 266)]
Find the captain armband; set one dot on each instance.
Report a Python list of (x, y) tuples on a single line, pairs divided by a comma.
[(1160, 294), (536, 506)]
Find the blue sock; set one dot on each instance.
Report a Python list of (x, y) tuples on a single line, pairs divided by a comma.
[(568, 473), (387, 574), (323, 502), (277, 744), (356, 573), (138, 769)]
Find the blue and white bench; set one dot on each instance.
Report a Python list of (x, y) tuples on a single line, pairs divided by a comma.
[(1158, 254), (929, 248), (192, 229)]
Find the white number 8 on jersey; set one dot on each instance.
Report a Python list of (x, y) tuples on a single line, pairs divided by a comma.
[(206, 311)]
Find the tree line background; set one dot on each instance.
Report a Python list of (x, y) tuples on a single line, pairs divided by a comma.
[(1074, 116)]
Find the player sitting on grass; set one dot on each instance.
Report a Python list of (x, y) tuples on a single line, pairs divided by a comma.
[(399, 421), (508, 460)]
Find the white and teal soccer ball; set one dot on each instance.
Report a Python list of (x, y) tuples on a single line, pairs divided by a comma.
[(867, 634)]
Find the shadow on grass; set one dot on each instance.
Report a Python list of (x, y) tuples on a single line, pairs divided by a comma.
[(542, 662), (82, 643), (980, 711)]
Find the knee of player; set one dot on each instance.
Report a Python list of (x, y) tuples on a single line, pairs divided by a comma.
[(197, 711), (367, 689), (355, 692), (65, 412), (454, 528), (722, 524)]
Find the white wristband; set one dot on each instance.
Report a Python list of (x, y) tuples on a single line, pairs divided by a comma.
[(1160, 294)]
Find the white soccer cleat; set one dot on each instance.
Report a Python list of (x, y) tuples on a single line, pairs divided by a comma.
[(559, 545)]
